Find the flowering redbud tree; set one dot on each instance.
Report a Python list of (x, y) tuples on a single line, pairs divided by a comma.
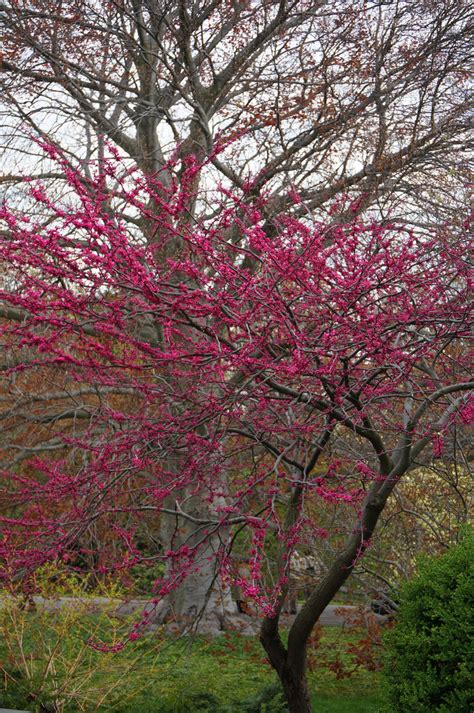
[(225, 376)]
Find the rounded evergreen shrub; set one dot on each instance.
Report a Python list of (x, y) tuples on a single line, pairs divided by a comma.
[(269, 699), (429, 659), (191, 702)]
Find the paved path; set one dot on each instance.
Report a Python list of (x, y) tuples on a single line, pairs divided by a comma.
[(331, 616)]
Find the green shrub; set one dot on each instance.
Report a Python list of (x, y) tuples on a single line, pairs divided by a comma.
[(47, 664), (269, 699), (144, 577), (188, 703), (430, 651)]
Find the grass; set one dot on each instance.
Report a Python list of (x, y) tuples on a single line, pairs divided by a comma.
[(46, 660), (347, 704)]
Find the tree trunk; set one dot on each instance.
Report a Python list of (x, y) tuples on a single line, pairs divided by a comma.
[(296, 692), (292, 677), (202, 602)]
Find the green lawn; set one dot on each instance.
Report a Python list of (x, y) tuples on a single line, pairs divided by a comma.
[(46, 661), (347, 704), (234, 669)]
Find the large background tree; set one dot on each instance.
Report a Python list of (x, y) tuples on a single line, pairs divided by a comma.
[(369, 97)]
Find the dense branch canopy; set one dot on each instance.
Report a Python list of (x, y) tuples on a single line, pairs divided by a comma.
[(346, 354), (368, 98)]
